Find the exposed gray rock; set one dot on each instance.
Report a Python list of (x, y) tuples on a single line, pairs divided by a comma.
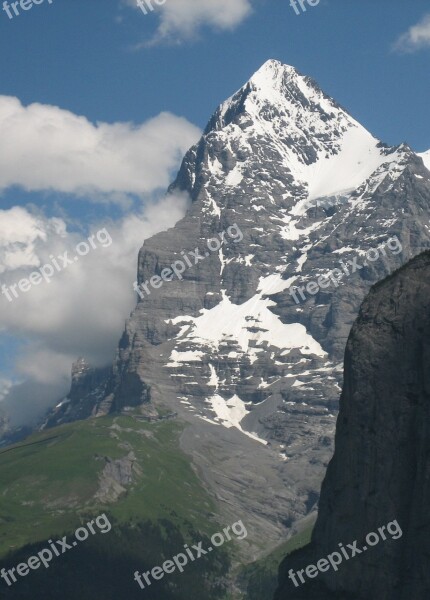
[(87, 390), (381, 465), (116, 476)]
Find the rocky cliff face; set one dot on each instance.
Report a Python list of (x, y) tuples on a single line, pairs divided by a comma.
[(380, 471), (87, 390), (290, 185)]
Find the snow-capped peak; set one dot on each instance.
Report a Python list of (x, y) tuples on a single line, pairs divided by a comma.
[(273, 75), (281, 118), (286, 91)]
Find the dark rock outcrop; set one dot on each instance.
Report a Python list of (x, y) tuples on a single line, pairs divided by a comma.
[(380, 471), (87, 389)]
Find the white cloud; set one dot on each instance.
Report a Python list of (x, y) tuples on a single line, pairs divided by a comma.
[(19, 233), (416, 38), (44, 147), (81, 311), (182, 19)]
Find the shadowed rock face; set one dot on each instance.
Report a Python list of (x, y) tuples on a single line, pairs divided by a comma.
[(380, 471), (87, 389)]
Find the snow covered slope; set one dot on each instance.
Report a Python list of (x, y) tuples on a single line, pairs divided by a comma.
[(326, 150), (426, 158)]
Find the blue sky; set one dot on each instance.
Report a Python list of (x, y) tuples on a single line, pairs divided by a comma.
[(77, 55), (120, 96)]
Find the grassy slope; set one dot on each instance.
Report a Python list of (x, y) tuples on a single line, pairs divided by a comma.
[(48, 482), (48, 485)]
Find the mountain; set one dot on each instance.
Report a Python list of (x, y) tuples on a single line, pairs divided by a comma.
[(293, 187), (380, 470)]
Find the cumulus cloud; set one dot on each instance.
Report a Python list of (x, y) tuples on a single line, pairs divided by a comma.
[(44, 147), (416, 38), (28, 401), (182, 19), (19, 233), (83, 308)]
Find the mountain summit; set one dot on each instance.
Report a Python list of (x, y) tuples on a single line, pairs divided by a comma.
[(225, 347), (301, 130)]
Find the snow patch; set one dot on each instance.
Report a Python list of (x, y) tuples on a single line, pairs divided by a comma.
[(235, 177), (231, 412), (178, 358), (252, 325)]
